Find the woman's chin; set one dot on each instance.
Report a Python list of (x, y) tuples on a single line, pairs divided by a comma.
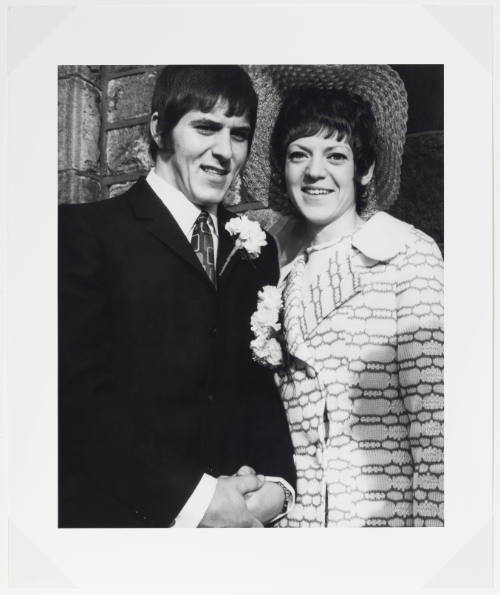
[(318, 222)]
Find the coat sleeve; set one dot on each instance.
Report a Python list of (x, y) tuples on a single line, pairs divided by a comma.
[(420, 367), (105, 478)]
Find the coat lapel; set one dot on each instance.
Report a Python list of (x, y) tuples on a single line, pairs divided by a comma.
[(154, 215), (226, 244), (334, 287), (293, 312)]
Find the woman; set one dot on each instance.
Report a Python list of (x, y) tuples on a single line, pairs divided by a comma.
[(360, 329)]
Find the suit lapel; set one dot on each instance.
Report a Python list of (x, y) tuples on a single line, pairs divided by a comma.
[(226, 244), (157, 219)]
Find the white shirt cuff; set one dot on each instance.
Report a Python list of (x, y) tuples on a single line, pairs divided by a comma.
[(193, 511), (291, 503)]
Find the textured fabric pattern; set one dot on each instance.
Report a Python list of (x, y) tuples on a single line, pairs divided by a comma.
[(203, 245), (363, 390)]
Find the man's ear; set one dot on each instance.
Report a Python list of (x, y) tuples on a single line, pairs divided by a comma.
[(367, 178), (153, 128)]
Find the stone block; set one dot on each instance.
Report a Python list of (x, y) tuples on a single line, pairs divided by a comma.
[(79, 123), (74, 188), (235, 194), (89, 73), (117, 189), (117, 68), (127, 150), (266, 217), (239, 195), (421, 197), (130, 96)]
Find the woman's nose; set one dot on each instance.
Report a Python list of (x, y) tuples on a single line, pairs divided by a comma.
[(316, 167)]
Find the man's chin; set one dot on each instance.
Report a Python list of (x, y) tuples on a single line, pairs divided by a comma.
[(212, 198)]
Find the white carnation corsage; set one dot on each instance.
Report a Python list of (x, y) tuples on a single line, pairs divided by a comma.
[(266, 347), (250, 237)]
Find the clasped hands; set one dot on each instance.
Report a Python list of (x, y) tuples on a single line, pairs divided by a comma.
[(243, 500)]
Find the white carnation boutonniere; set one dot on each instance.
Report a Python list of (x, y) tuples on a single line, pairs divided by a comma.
[(249, 237), (266, 347)]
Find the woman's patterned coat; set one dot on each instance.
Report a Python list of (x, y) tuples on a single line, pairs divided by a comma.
[(364, 387)]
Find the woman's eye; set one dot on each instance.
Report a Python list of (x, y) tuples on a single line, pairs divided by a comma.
[(295, 156), (337, 156)]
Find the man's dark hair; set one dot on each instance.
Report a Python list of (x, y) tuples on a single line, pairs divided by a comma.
[(307, 112), (180, 89)]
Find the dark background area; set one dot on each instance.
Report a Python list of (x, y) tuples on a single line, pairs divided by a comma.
[(424, 84), (421, 196)]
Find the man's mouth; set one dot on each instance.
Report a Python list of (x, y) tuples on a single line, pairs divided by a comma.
[(218, 171), (315, 191)]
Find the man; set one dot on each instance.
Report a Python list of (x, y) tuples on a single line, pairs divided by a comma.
[(163, 417)]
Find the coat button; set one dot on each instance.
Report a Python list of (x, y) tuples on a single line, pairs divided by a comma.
[(213, 332), (310, 371), (210, 397)]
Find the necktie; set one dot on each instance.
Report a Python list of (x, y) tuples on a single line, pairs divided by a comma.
[(203, 244)]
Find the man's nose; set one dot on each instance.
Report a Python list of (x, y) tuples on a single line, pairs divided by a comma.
[(222, 147), (316, 167)]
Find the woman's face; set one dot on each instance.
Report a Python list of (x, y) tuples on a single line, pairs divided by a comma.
[(319, 175)]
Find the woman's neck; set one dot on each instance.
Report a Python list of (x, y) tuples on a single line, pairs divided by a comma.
[(345, 225)]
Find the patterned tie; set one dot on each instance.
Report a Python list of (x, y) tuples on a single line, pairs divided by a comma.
[(203, 245)]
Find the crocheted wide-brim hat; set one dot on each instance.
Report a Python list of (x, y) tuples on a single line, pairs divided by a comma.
[(380, 85)]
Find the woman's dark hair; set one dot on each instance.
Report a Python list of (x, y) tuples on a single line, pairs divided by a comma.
[(180, 89), (307, 112)]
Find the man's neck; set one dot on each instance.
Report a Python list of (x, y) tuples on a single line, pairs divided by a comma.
[(162, 170)]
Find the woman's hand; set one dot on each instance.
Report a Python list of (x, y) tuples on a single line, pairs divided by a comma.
[(266, 502)]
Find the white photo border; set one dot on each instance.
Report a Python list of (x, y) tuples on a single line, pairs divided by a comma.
[(40, 554)]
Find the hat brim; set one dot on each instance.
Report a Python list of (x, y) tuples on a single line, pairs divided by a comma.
[(379, 85)]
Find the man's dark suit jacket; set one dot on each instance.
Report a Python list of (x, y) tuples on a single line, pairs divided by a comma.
[(156, 381)]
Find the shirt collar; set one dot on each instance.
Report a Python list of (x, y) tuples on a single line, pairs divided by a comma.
[(182, 209)]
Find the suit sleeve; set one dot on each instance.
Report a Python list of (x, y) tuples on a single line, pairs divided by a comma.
[(116, 482), (271, 450), (420, 367)]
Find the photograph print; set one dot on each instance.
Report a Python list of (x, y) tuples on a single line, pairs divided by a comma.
[(250, 268)]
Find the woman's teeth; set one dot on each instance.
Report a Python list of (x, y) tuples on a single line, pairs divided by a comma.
[(316, 191)]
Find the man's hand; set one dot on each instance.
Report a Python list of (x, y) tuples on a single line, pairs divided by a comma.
[(227, 507), (265, 503)]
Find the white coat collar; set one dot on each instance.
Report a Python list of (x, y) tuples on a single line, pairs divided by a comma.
[(381, 237)]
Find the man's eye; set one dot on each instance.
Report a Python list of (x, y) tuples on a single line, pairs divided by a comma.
[(205, 129), (240, 135)]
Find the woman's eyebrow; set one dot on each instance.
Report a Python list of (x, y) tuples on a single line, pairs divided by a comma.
[(333, 145)]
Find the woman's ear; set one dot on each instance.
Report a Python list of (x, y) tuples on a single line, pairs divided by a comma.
[(153, 128), (367, 178)]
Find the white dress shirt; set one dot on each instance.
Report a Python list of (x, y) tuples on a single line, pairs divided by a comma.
[(182, 209), (185, 214)]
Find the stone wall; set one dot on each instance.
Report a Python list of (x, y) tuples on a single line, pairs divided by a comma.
[(103, 147), (79, 128)]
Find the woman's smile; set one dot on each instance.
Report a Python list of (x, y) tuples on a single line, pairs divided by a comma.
[(316, 191)]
